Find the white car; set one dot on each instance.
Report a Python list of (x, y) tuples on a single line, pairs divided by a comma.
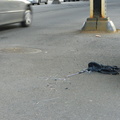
[(38, 1), (15, 11)]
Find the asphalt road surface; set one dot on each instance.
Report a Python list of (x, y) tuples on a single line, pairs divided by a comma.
[(35, 63)]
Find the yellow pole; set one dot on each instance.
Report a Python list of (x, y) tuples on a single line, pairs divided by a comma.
[(91, 8), (103, 10)]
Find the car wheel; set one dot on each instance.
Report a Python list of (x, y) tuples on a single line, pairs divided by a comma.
[(38, 2), (27, 19), (46, 2)]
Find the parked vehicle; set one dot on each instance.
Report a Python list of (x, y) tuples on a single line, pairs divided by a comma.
[(15, 11), (38, 1), (70, 0)]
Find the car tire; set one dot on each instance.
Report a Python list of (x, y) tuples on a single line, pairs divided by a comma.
[(46, 2), (27, 19), (39, 2)]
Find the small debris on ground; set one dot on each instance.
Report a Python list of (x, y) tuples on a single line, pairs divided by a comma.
[(98, 35)]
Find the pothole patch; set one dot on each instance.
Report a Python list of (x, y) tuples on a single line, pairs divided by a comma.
[(20, 50)]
